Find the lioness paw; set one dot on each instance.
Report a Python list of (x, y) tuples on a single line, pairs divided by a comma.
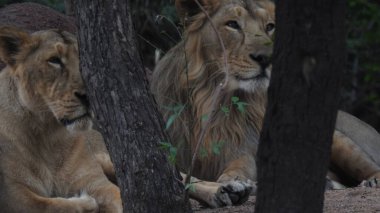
[(84, 203), (333, 185), (371, 182), (233, 193)]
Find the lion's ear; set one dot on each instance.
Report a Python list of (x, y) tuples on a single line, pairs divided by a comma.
[(189, 8), (11, 41)]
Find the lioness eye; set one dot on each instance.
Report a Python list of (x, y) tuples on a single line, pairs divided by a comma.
[(55, 61), (269, 27), (233, 24)]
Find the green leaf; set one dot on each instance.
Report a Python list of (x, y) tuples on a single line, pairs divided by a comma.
[(177, 109), (190, 186), (203, 152), (226, 110), (172, 155), (165, 145), (241, 106), (204, 117), (217, 147), (171, 149), (234, 99), (170, 121)]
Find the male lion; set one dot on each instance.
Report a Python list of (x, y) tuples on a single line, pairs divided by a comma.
[(188, 77), (46, 164)]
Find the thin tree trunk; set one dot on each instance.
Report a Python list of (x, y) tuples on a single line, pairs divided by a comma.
[(124, 109), (295, 145), (69, 7)]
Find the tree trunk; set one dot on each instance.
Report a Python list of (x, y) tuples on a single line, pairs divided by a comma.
[(69, 7), (124, 109), (295, 145)]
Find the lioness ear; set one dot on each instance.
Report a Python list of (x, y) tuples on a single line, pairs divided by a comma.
[(189, 8), (11, 40)]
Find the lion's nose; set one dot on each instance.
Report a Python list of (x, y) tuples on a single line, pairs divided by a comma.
[(262, 60), (83, 98)]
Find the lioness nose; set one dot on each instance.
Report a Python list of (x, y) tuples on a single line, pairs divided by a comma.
[(263, 60), (83, 98)]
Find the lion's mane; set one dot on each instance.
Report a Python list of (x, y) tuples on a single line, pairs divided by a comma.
[(188, 79)]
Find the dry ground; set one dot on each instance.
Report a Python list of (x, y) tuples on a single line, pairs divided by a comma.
[(353, 200)]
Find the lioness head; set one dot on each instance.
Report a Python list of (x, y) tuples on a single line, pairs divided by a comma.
[(45, 68), (246, 28)]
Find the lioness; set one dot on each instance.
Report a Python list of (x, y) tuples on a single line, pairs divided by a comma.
[(189, 75), (45, 160)]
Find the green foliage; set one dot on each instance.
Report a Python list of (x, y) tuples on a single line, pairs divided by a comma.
[(190, 186), (171, 150), (363, 47), (203, 152), (225, 110), (216, 147), (204, 117), (176, 109), (240, 105), (235, 101), (363, 25)]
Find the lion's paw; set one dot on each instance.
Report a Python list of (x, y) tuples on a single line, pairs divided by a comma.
[(84, 203), (371, 182), (233, 193), (333, 185)]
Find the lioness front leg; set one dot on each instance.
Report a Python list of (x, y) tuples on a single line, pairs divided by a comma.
[(107, 197), (25, 200), (105, 162), (353, 161)]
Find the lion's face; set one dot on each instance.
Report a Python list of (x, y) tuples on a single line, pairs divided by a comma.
[(46, 69), (247, 29)]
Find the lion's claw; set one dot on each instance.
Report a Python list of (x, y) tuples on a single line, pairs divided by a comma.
[(233, 193), (371, 182)]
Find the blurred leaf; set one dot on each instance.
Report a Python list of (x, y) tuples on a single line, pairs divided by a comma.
[(235, 99), (204, 117), (170, 121), (226, 110), (190, 186), (217, 147), (165, 145), (203, 152)]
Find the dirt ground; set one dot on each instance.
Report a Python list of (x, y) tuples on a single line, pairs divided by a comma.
[(353, 200)]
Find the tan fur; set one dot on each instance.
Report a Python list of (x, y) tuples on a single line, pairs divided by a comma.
[(190, 74), (46, 164), (355, 151), (194, 69)]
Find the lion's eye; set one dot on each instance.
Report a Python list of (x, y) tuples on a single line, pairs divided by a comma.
[(55, 61), (233, 24), (269, 27)]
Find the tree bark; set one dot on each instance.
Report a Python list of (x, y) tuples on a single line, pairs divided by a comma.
[(124, 109), (69, 7), (296, 138)]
